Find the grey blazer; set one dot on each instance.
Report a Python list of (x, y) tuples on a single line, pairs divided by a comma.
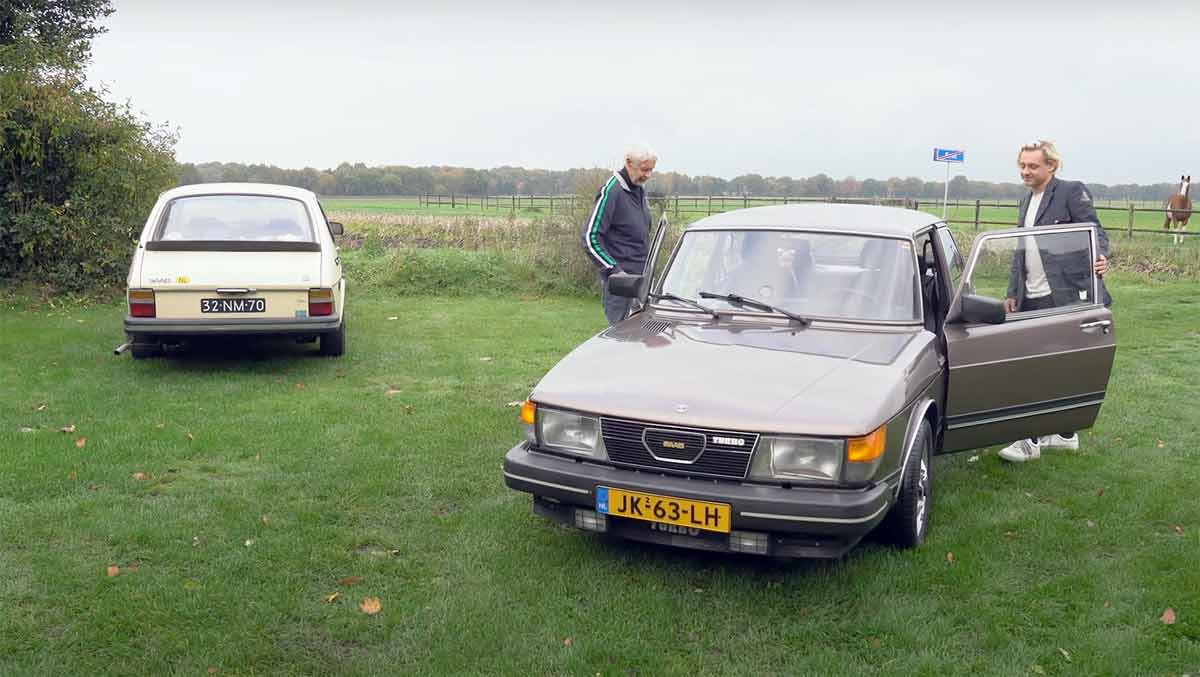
[(1062, 202)]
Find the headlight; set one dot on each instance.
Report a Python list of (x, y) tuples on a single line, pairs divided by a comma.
[(570, 432), (797, 458)]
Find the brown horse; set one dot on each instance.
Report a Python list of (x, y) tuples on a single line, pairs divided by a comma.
[(1179, 208)]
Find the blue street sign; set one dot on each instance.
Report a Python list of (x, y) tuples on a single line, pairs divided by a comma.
[(948, 155)]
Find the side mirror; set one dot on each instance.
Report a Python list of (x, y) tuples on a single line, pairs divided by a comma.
[(982, 309), (336, 228), (625, 285)]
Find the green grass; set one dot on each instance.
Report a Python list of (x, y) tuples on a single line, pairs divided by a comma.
[(1077, 553)]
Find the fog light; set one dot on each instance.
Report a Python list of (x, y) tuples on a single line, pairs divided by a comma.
[(751, 542), (590, 520)]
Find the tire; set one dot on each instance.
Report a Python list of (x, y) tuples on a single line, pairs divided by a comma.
[(908, 522), (333, 344)]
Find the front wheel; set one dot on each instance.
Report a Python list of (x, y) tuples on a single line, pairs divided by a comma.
[(333, 343), (907, 523)]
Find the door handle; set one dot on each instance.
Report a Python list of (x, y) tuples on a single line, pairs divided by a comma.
[(1104, 326), (235, 290)]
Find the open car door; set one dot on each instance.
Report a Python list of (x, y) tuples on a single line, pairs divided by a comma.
[(1030, 372)]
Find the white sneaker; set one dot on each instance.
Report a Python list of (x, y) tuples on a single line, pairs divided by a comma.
[(1021, 451), (1057, 441)]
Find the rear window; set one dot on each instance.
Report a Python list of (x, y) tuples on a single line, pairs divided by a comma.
[(235, 218)]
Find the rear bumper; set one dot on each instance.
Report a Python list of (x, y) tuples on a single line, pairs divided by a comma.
[(150, 326), (800, 522)]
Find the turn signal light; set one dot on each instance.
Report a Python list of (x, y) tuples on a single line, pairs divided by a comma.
[(868, 447), (141, 303), (320, 302), (528, 412)]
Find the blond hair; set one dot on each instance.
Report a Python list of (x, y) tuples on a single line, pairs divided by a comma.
[(1049, 151)]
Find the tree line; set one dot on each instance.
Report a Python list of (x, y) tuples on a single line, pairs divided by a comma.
[(360, 179)]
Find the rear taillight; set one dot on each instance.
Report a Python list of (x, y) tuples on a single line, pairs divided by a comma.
[(141, 303), (320, 302)]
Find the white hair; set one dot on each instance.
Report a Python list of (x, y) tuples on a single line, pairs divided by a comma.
[(639, 153)]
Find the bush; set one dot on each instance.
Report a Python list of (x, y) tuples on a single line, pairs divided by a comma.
[(78, 175)]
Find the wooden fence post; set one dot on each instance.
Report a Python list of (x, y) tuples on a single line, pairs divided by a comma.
[(745, 201), (710, 205), (1129, 235), (977, 215)]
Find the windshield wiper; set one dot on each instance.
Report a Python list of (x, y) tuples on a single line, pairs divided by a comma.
[(695, 304), (739, 300)]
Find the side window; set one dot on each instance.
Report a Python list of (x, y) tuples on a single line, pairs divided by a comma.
[(324, 217), (1044, 271), (954, 260)]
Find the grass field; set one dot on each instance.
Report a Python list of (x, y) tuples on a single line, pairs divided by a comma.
[(250, 499)]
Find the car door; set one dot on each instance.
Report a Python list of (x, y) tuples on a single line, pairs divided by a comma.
[(1034, 371)]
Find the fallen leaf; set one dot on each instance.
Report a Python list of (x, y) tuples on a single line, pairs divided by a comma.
[(258, 456), (332, 597), (26, 430), (1168, 616), (392, 392), (1178, 529), (1037, 669), (1100, 491), (299, 386), (140, 476), (875, 643), (67, 428), (160, 425), (486, 359), (1028, 494), (1065, 654), (973, 458), (190, 437), (81, 442), (113, 570), (133, 568), (950, 557), (264, 519), (41, 407), (371, 606), (1011, 534), (1091, 524), (515, 403), (1107, 604), (568, 642), (93, 487), (394, 317), (72, 475), (1161, 444), (212, 670), (249, 542), (350, 580)]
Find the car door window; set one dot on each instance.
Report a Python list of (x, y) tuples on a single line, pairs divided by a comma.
[(951, 255), (1043, 271)]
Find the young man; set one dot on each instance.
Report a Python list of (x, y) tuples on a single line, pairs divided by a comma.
[(616, 234), (1033, 286)]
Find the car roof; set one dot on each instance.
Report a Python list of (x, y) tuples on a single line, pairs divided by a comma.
[(271, 189), (866, 219)]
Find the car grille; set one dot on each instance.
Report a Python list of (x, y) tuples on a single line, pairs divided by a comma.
[(690, 451)]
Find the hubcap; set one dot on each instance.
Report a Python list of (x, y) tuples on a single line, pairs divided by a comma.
[(922, 496)]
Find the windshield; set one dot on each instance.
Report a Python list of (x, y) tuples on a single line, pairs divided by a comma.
[(255, 218), (827, 275)]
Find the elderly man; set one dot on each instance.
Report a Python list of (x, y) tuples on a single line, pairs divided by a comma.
[(617, 232), (1037, 284)]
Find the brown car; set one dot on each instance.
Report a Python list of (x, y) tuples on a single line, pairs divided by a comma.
[(792, 371)]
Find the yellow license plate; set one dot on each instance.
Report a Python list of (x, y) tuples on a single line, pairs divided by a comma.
[(665, 509)]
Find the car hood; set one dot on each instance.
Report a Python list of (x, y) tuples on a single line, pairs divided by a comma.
[(815, 380)]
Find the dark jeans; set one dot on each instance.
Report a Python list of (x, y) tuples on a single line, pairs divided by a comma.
[(1040, 303), (616, 308)]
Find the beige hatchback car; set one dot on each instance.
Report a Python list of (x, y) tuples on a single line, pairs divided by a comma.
[(236, 259)]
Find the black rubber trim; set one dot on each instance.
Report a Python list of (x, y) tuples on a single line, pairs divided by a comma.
[(1023, 410), (230, 246)]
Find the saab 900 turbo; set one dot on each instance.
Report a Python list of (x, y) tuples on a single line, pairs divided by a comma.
[(790, 374), (236, 259)]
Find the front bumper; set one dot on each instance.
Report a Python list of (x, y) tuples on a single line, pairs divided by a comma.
[(152, 326), (800, 522)]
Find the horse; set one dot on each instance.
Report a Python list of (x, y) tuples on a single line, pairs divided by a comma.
[(1179, 208)]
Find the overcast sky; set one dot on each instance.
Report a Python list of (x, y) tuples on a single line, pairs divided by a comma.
[(846, 87)]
